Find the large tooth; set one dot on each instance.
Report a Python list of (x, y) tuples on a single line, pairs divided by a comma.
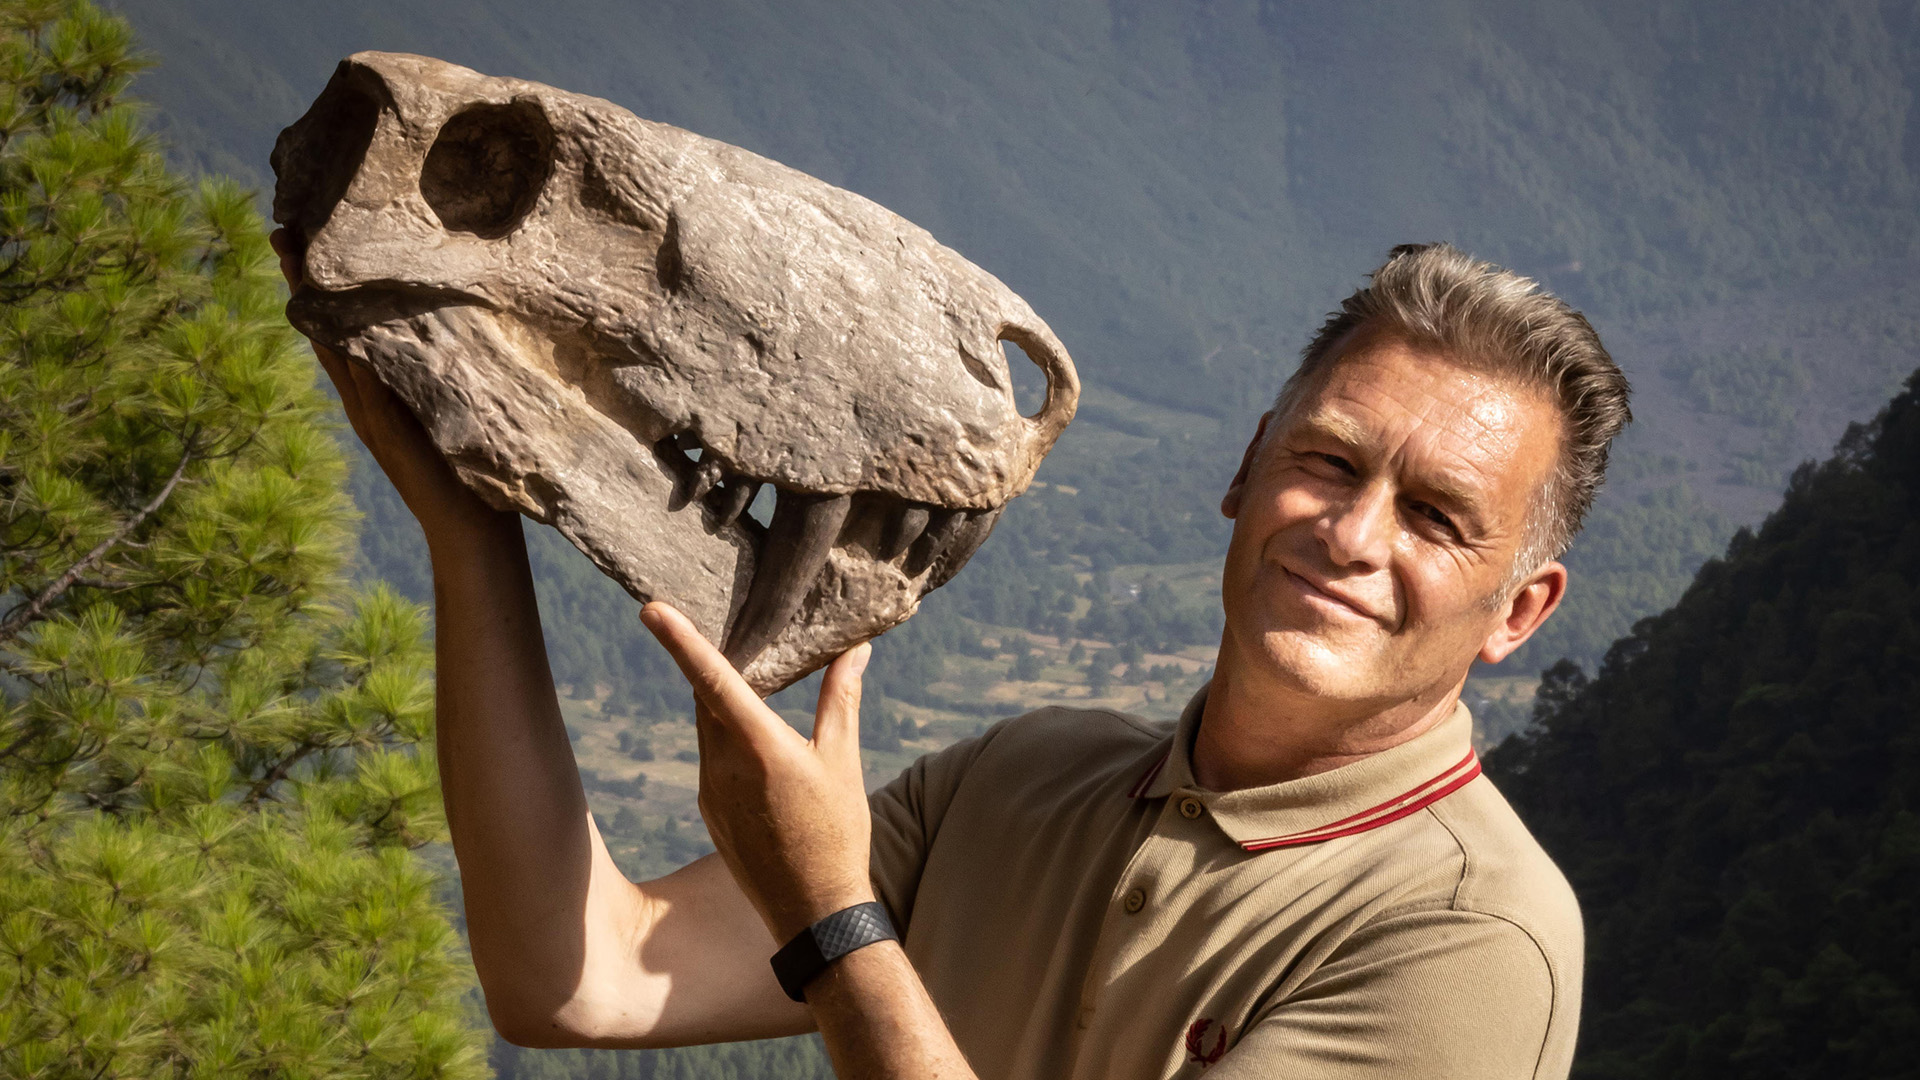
[(960, 541), (794, 552), (940, 522), (705, 475), (734, 498), (902, 530)]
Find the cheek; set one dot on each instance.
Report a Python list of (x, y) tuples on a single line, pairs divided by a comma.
[(1440, 594), (1284, 504)]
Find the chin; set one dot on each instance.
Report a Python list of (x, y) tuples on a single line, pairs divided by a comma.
[(1310, 666)]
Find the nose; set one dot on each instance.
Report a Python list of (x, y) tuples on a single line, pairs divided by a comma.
[(1357, 533)]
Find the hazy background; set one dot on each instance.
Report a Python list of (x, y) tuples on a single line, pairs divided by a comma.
[(1183, 188)]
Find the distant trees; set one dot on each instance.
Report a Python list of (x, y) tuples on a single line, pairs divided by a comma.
[(211, 776), (1736, 794)]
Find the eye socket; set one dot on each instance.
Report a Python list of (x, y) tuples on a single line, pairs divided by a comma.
[(1334, 460), (1433, 514), (487, 167)]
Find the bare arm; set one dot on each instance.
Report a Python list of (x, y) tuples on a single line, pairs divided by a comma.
[(568, 951)]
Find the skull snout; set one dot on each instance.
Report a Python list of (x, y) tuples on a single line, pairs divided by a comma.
[(317, 158), (394, 179)]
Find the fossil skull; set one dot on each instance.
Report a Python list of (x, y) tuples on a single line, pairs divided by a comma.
[(629, 332)]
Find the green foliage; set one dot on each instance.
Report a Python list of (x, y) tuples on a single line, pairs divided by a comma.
[(211, 777), (802, 1058), (1634, 556), (1758, 387), (1733, 795)]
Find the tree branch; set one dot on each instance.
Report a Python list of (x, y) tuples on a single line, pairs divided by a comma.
[(279, 772), (22, 616)]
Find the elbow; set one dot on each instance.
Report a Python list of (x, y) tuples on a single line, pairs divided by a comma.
[(531, 1024), (530, 1010), (536, 1020)]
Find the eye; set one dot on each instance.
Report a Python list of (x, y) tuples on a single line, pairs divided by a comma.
[(1335, 460), (1435, 516)]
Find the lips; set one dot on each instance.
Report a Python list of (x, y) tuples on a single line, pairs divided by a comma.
[(1327, 596)]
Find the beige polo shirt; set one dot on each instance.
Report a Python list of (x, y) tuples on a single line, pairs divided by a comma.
[(1080, 908)]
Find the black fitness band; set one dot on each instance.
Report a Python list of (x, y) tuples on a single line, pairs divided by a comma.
[(801, 960)]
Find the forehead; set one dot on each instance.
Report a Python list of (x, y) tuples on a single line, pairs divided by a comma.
[(1434, 414)]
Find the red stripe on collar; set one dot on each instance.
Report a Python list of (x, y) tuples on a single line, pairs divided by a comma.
[(1409, 802), (1140, 789)]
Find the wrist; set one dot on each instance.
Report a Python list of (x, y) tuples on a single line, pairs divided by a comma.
[(794, 918), (811, 952), (473, 536)]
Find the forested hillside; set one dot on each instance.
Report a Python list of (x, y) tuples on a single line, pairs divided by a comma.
[(1734, 794), (1181, 189), (1731, 190)]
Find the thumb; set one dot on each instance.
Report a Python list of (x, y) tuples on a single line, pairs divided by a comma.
[(836, 718)]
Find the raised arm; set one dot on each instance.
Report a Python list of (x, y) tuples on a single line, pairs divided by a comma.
[(569, 953)]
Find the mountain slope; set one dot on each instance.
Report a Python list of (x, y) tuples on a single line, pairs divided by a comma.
[(1182, 188), (1734, 795)]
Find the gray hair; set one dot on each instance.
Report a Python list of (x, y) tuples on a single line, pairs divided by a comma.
[(1490, 319)]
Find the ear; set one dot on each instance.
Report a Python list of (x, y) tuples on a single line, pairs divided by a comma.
[(1525, 611), (1230, 502)]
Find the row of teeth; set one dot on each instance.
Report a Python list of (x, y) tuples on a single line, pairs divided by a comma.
[(793, 546)]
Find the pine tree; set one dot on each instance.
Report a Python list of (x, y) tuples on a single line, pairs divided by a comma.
[(212, 775)]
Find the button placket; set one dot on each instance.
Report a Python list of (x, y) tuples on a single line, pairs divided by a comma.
[(1116, 927)]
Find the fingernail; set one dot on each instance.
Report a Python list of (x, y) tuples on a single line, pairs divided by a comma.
[(862, 653), (651, 618)]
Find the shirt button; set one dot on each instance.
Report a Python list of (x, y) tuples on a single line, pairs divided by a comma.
[(1191, 808), (1136, 899)]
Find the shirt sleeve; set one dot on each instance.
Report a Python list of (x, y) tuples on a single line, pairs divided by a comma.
[(1439, 994), (907, 812)]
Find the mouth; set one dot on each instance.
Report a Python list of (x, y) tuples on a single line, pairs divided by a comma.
[(1320, 596), (792, 548), (665, 516)]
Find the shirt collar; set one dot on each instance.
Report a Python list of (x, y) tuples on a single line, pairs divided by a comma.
[(1367, 794)]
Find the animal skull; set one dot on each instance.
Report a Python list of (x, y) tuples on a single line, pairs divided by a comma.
[(627, 331)]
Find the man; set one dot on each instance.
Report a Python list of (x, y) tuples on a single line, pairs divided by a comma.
[(1307, 877)]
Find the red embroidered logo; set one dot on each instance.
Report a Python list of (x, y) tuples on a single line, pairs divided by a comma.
[(1204, 1050)]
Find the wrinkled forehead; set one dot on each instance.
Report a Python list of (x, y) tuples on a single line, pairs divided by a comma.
[(1380, 354), (1451, 424)]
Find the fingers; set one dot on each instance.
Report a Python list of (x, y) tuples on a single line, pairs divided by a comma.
[(340, 370), (718, 686), (283, 246), (836, 719)]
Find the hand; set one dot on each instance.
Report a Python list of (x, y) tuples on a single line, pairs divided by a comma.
[(788, 814), (395, 437)]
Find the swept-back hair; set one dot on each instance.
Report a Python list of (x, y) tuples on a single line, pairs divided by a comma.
[(1486, 318)]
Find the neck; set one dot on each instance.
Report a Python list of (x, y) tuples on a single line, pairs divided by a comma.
[(1256, 732)]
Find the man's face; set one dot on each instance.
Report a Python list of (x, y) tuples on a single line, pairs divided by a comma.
[(1372, 525)]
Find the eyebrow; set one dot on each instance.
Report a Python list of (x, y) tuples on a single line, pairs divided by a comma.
[(1348, 432), (1334, 425)]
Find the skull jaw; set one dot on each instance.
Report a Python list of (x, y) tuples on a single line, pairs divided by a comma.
[(525, 439)]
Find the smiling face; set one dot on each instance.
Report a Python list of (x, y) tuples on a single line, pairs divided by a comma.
[(1373, 522)]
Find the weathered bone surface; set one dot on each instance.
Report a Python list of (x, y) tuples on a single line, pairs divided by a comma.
[(627, 331)]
